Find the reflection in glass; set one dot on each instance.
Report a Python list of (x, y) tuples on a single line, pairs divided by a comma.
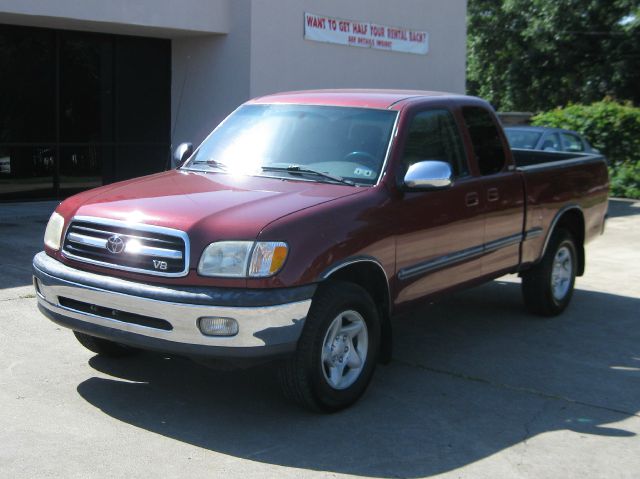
[(81, 168), (86, 104), (347, 142), (143, 78), (134, 161), (27, 85), (80, 109), (26, 172)]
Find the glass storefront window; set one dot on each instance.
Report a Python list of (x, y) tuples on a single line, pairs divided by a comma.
[(86, 87), (80, 110), (81, 167), (27, 172), (27, 83)]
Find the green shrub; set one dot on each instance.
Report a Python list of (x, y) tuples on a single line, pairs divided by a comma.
[(625, 180), (614, 129)]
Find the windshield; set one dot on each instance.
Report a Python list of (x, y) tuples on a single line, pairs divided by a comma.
[(296, 141), (523, 139)]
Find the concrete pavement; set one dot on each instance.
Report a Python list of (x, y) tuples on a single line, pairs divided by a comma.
[(22, 228), (478, 388)]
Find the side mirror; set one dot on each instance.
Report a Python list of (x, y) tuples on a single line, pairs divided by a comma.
[(181, 154), (428, 175)]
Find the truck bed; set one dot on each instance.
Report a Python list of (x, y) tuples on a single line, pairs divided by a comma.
[(551, 159), (555, 182)]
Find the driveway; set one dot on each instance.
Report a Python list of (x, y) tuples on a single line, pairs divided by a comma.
[(478, 388)]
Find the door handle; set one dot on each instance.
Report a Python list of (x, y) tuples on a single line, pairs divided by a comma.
[(472, 199), (493, 194)]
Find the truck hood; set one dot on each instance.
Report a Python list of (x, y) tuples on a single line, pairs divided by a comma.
[(208, 206)]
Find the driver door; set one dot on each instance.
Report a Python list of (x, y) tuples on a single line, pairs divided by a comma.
[(440, 239)]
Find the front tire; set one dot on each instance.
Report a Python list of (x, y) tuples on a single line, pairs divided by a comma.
[(548, 286), (337, 351), (104, 347)]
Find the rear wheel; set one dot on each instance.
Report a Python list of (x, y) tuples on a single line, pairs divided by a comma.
[(104, 347), (337, 351), (548, 286)]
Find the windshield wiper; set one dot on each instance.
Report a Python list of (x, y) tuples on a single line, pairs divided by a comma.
[(211, 162), (303, 170)]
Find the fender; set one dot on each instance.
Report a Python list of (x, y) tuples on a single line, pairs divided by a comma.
[(552, 228), (351, 260), (358, 259), (386, 345)]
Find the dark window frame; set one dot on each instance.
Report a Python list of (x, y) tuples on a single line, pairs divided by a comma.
[(486, 163)]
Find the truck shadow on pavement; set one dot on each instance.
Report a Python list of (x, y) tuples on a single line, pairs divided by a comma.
[(472, 375)]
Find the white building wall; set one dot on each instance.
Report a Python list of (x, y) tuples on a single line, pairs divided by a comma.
[(227, 51), (282, 60), (210, 77)]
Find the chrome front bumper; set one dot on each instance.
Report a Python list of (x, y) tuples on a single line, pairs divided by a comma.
[(264, 329)]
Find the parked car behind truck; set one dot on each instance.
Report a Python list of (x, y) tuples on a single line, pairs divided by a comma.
[(305, 222), (547, 139)]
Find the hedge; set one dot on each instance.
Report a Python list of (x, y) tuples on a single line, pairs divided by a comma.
[(611, 127)]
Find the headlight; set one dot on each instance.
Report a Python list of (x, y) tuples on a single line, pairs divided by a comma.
[(226, 258), (53, 233), (241, 259)]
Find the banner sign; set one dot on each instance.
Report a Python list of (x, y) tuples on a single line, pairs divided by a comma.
[(353, 33)]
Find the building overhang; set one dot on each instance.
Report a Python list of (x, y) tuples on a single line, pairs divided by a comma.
[(153, 18)]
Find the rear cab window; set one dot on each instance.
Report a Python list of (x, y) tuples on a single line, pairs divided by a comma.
[(486, 140), (433, 135)]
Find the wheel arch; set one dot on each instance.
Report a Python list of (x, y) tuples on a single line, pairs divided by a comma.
[(368, 273), (571, 218)]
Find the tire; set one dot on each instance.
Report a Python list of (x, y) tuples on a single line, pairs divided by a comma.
[(548, 286), (104, 347), (337, 351)]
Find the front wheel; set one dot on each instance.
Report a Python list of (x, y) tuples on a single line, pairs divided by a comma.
[(548, 286), (337, 351)]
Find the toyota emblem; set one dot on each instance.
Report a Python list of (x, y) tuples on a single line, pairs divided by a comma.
[(115, 244)]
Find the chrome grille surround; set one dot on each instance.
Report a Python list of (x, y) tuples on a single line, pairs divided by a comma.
[(86, 239)]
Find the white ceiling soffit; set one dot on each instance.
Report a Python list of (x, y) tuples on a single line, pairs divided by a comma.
[(158, 18)]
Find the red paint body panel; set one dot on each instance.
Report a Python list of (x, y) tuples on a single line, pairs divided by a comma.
[(553, 190), (433, 224), (209, 206), (326, 224), (382, 99)]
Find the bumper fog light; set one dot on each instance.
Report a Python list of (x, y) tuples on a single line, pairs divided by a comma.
[(218, 326)]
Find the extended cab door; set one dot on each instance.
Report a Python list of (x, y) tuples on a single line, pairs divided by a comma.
[(439, 233), (502, 191)]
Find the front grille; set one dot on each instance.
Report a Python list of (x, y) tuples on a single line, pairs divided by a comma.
[(131, 247)]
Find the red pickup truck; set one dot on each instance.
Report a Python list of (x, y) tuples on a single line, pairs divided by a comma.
[(305, 222)]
